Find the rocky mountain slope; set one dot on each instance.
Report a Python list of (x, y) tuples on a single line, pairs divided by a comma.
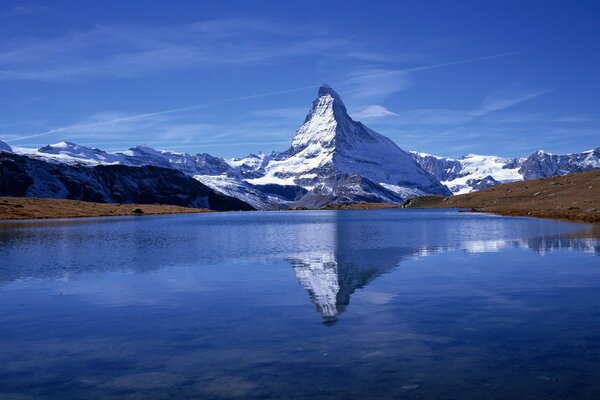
[(22, 176), (339, 160), (475, 172)]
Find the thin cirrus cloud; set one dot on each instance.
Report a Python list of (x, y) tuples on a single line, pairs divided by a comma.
[(494, 103), (374, 111), (125, 50), (369, 83), (372, 84)]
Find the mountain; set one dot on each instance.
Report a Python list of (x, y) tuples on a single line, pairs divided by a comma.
[(339, 160), (74, 153), (207, 169), (470, 172), (332, 160), (475, 172), (542, 165), (28, 177)]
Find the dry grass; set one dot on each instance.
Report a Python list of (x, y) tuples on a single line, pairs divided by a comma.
[(574, 197), (12, 208)]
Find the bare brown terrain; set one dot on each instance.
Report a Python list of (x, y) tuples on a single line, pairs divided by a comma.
[(12, 208), (574, 197)]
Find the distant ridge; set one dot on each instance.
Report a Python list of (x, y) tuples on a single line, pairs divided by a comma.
[(332, 161)]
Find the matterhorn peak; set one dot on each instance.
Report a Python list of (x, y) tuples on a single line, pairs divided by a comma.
[(320, 125), (328, 102), (326, 90)]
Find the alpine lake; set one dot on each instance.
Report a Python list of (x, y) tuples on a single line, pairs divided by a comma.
[(357, 304)]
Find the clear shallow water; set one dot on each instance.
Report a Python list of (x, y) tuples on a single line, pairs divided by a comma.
[(403, 304)]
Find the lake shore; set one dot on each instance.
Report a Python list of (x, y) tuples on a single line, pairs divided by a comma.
[(574, 197), (17, 208)]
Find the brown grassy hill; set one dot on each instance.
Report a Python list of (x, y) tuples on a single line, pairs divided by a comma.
[(32, 208), (575, 197)]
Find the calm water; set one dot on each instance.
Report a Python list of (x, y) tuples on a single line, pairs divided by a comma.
[(402, 304)]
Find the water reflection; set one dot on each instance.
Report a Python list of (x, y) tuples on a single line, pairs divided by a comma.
[(331, 279), (426, 305), (332, 253)]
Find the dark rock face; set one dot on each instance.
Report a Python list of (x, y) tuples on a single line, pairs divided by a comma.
[(443, 169), (542, 165), (346, 189), (210, 165), (283, 192), (26, 177), (14, 180), (479, 184)]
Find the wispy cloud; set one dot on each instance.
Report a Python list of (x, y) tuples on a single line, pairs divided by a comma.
[(502, 101), (390, 82), (377, 83), (126, 50), (122, 120), (497, 102), (374, 111)]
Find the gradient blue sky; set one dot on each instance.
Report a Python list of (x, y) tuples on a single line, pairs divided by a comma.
[(234, 77)]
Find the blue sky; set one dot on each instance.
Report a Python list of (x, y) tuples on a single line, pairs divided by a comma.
[(237, 77)]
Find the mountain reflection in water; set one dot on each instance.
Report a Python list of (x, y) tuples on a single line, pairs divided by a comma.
[(411, 304)]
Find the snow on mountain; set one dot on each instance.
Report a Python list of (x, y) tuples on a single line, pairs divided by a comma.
[(251, 166), (5, 147), (474, 172), (238, 188), (213, 171), (470, 172), (25, 176), (71, 153), (541, 164), (334, 156)]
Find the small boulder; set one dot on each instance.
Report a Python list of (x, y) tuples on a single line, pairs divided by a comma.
[(137, 211)]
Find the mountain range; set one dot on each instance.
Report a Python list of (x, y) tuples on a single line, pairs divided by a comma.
[(332, 160), (474, 172)]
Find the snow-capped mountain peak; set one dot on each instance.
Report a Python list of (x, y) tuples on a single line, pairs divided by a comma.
[(474, 172), (331, 149), (321, 121), (70, 153)]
